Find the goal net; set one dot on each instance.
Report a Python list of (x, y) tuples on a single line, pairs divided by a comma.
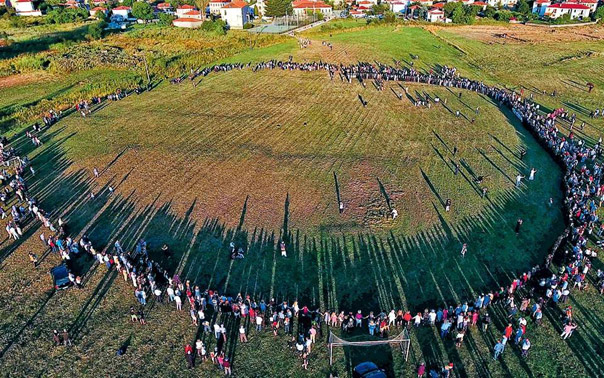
[(402, 340)]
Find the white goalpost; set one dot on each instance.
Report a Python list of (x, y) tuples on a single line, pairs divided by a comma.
[(402, 340)]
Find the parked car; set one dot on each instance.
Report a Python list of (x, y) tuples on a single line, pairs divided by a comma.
[(60, 277), (368, 370)]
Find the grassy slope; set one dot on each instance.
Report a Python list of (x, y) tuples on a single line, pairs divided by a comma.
[(110, 314)]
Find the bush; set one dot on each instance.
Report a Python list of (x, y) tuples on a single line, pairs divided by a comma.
[(503, 15), (217, 27), (17, 22), (598, 14), (389, 17), (248, 25), (142, 11), (95, 31), (489, 12), (66, 15), (165, 19), (31, 63)]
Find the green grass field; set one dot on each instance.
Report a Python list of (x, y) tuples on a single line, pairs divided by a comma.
[(232, 159)]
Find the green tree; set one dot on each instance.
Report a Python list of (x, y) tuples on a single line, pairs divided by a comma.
[(458, 16), (389, 17), (278, 8), (598, 14), (100, 15), (127, 3), (256, 11), (142, 11), (165, 19), (449, 8), (523, 7), (379, 8), (217, 27), (503, 15), (489, 12), (95, 31), (66, 15)]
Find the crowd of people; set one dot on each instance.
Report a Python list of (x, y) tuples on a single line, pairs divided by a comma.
[(524, 299)]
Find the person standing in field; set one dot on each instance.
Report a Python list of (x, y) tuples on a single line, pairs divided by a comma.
[(283, 250), (189, 356), (242, 336), (519, 180), (498, 349), (464, 249), (532, 174)]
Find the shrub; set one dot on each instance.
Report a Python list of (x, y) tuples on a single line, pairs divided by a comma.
[(503, 15), (17, 22), (142, 11), (217, 27), (31, 63), (165, 19), (66, 15), (95, 31), (248, 25)]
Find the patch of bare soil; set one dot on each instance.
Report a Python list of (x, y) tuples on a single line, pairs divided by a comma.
[(21, 79), (515, 33)]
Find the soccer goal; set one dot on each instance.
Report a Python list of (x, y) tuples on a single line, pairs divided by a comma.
[(402, 340)]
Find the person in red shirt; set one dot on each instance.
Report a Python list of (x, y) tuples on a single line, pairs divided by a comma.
[(189, 356), (226, 364), (508, 331), (407, 318)]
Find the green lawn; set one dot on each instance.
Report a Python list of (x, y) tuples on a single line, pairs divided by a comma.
[(199, 166)]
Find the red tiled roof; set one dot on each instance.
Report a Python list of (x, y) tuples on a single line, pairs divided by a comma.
[(438, 5), (97, 9), (236, 4), (583, 1), (186, 6), (543, 1), (569, 6), (193, 13), (480, 3), (164, 5), (187, 19), (435, 11), (314, 4), (220, 1), (122, 8)]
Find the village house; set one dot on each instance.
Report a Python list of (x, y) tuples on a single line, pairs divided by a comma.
[(185, 8), (187, 22), (303, 7), (26, 8), (95, 10), (480, 4), (357, 14), (216, 6), (574, 10), (165, 8), (235, 14), (122, 12), (4, 3), (398, 6), (592, 4), (504, 3), (539, 6), (436, 15)]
